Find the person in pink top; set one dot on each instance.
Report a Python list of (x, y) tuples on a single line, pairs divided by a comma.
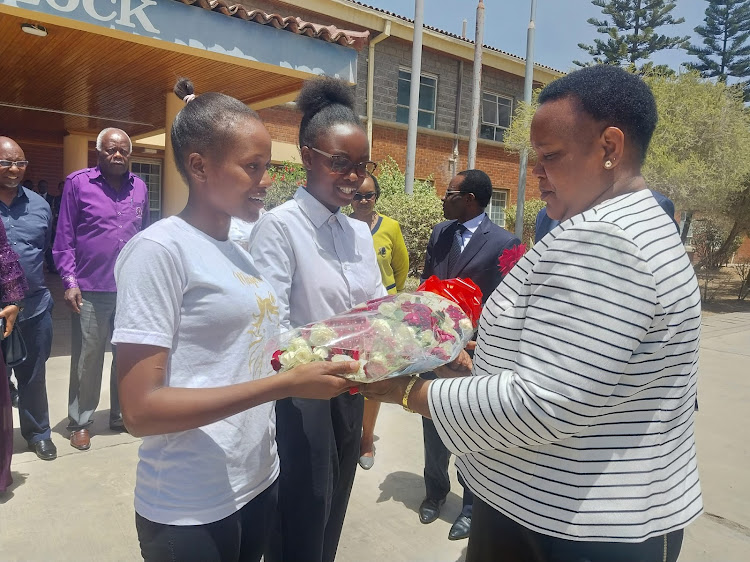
[(102, 208)]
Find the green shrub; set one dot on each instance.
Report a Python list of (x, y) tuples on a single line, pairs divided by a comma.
[(286, 179), (531, 208), (417, 214)]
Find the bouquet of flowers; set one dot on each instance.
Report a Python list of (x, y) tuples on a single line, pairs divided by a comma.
[(391, 336)]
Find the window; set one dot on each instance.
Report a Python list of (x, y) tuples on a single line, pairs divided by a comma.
[(496, 208), (497, 112), (427, 99), (150, 172)]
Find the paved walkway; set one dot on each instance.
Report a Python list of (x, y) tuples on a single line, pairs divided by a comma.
[(79, 507)]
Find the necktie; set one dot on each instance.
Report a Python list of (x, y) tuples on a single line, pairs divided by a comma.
[(456, 247)]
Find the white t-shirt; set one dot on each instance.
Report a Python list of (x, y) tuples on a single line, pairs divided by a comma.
[(239, 231), (204, 300)]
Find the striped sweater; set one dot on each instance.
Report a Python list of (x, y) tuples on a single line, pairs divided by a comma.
[(578, 419)]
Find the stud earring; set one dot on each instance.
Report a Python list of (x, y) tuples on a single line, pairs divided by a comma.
[(608, 164)]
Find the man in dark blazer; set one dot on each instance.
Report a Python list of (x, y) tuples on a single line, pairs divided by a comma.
[(467, 245)]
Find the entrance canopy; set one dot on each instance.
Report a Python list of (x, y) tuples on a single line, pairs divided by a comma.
[(109, 63)]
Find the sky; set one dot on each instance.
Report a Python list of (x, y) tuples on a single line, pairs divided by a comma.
[(560, 26)]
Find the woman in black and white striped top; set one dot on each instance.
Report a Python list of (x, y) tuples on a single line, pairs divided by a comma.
[(576, 430)]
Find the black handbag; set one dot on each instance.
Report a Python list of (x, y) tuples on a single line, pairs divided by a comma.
[(14, 348)]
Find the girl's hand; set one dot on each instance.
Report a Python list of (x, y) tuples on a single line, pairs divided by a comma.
[(320, 380)]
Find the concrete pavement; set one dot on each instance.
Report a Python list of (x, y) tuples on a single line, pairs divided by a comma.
[(79, 507)]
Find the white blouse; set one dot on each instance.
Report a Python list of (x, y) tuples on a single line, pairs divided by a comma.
[(319, 263)]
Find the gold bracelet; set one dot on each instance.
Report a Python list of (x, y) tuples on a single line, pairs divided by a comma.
[(405, 399)]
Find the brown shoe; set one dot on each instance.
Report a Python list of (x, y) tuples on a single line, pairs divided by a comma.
[(80, 439)]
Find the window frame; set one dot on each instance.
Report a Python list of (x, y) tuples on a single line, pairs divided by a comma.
[(154, 213), (496, 126), (433, 111), (489, 210)]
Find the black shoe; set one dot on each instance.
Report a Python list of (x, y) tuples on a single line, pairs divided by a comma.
[(430, 510), (13, 394), (118, 427), (44, 449), (460, 529)]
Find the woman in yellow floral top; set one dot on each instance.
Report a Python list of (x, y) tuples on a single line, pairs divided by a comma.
[(393, 260)]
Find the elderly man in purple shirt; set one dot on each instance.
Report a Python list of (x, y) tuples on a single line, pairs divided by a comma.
[(101, 209)]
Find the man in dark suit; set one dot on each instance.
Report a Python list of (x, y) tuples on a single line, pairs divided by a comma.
[(467, 245)]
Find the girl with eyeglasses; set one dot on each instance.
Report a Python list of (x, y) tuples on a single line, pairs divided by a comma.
[(321, 263), (393, 261)]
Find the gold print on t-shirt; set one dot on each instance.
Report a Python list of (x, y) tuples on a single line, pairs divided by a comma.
[(264, 323), (246, 279)]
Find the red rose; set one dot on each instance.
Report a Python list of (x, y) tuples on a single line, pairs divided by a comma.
[(275, 361), (510, 257)]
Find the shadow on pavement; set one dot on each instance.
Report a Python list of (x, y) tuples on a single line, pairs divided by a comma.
[(407, 488), (18, 480)]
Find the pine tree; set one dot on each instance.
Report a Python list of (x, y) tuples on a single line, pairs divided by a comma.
[(724, 52), (631, 29)]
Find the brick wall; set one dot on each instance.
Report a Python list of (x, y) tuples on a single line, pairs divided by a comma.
[(282, 123), (433, 159), (433, 152), (45, 161)]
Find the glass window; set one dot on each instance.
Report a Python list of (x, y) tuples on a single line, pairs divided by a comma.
[(496, 208), (150, 172), (497, 111), (427, 99)]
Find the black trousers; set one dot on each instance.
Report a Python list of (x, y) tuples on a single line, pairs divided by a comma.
[(318, 444), (437, 482), (241, 537), (497, 538)]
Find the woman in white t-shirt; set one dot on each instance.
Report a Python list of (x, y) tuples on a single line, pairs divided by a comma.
[(193, 320)]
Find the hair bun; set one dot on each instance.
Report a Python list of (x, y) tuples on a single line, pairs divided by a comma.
[(320, 93), (183, 88)]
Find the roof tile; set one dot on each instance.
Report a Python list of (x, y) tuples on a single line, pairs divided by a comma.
[(329, 33)]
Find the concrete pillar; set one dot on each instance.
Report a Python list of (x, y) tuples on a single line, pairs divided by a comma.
[(174, 190), (75, 153)]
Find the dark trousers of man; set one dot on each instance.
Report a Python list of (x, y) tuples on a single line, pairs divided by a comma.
[(91, 330), (240, 537), (31, 375), (437, 483), (497, 538), (318, 444)]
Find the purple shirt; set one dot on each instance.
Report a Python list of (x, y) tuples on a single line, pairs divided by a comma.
[(94, 225)]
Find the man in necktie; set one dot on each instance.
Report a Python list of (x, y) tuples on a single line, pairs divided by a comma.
[(467, 245)]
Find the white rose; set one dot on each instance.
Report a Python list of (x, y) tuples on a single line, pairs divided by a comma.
[(427, 339), (381, 328), (321, 335), (321, 353), (466, 325), (388, 308)]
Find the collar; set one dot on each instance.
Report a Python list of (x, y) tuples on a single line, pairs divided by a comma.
[(472, 224), (314, 209), (98, 175), (20, 194)]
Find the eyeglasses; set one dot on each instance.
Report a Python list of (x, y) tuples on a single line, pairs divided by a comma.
[(366, 196), (20, 164), (449, 193), (342, 165)]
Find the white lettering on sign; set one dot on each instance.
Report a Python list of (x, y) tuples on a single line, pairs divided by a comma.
[(88, 5), (129, 10)]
